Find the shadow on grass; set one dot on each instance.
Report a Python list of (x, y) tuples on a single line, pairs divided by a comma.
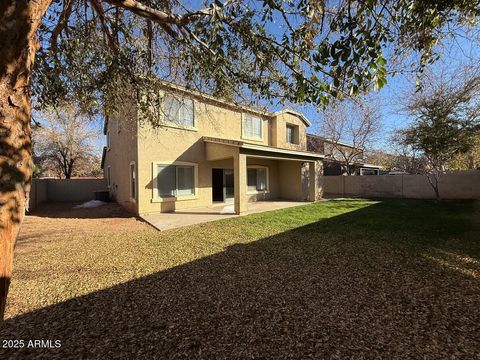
[(67, 210), (357, 284)]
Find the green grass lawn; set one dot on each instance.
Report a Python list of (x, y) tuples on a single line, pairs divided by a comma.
[(341, 278)]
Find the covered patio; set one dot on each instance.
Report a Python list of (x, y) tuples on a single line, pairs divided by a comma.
[(287, 175), (181, 218)]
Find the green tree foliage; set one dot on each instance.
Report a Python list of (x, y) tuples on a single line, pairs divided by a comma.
[(296, 51), (445, 115), (469, 160)]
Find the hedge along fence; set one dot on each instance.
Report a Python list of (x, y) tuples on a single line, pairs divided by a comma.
[(454, 185), (64, 190)]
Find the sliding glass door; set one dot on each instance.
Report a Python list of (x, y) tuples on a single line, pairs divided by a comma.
[(228, 184)]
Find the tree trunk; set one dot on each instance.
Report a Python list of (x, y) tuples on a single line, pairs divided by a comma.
[(68, 175), (19, 20), (437, 193), (348, 168), (433, 181)]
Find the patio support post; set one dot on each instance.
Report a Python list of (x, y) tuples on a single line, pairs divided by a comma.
[(240, 182), (312, 181)]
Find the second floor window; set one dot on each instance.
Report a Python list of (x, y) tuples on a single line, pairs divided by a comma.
[(179, 111), (291, 134), (252, 127)]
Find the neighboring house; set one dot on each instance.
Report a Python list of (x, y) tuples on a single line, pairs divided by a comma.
[(334, 159), (205, 150)]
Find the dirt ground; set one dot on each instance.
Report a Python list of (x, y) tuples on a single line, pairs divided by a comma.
[(53, 220), (342, 279)]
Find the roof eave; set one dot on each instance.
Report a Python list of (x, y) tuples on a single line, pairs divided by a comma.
[(293, 112)]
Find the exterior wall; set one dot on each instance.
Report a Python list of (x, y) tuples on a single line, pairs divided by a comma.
[(64, 190), (168, 144), (273, 179), (290, 180), (334, 160), (456, 185), (333, 168), (122, 129), (318, 178), (333, 152), (316, 144), (280, 132)]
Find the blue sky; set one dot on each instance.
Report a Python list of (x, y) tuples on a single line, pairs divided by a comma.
[(455, 52)]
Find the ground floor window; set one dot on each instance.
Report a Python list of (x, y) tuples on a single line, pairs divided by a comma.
[(175, 180), (257, 179)]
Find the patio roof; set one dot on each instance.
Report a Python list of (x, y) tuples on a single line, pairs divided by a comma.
[(265, 151)]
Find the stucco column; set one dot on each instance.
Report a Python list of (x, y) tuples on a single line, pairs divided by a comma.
[(312, 181), (320, 179), (240, 182)]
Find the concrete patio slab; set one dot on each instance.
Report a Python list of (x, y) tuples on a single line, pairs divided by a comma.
[(180, 218)]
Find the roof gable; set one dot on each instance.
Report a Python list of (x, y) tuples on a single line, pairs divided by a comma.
[(295, 113)]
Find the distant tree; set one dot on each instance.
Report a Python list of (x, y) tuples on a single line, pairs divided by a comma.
[(63, 144), (445, 113), (356, 122), (469, 160), (379, 157), (405, 158)]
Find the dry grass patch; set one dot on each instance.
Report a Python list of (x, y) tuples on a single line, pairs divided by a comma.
[(339, 279)]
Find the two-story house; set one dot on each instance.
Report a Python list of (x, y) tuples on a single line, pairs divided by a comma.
[(335, 153), (204, 151)]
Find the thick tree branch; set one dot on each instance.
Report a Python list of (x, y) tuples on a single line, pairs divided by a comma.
[(164, 19), (147, 12), (62, 22), (99, 10)]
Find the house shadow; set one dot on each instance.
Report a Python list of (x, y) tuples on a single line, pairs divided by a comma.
[(69, 210), (320, 290)]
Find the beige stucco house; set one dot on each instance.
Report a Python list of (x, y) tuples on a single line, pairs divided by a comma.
[(203, 151)]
